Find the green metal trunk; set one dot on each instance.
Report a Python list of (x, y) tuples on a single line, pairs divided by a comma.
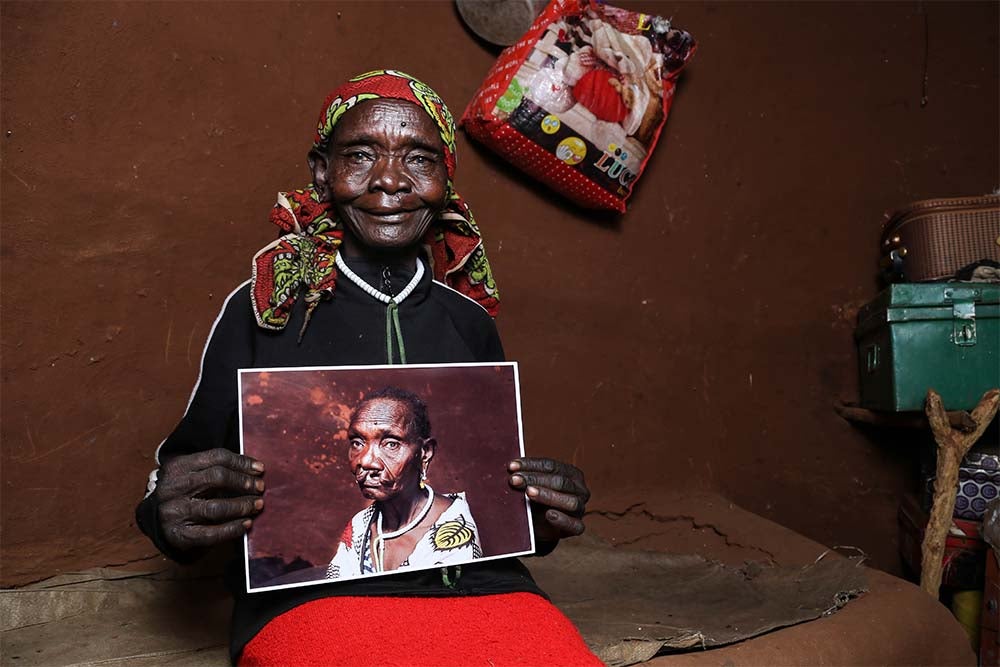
[(919, 336)]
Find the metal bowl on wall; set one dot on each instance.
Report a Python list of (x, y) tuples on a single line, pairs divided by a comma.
[(500, 22)]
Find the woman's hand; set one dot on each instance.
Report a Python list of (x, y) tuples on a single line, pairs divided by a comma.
[(558, 496), (208, 498)]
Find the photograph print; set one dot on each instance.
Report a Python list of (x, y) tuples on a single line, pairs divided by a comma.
[(380, 469)]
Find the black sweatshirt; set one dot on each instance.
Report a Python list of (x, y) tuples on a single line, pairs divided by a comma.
[(439, 325)]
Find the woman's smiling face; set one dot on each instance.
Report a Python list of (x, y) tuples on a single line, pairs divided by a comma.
[(384, 174)]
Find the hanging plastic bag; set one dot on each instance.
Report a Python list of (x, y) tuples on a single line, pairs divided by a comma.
[(579, 102)]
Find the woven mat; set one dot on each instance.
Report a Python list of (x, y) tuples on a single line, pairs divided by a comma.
[(632, 605)]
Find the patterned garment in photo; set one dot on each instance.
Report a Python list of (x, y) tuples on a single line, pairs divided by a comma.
[(452, 539)]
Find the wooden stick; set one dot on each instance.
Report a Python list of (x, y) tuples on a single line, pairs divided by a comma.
[(957, 418), (952, 446)]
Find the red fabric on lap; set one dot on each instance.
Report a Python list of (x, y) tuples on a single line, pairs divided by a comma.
[(500, 630)]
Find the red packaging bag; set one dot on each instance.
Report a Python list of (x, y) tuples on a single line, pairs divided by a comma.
[(579, 102)]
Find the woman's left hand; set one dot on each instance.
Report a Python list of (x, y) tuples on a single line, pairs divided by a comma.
[(558, 495)]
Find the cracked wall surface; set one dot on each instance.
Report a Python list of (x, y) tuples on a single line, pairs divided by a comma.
[(697, 343), (638, 527)]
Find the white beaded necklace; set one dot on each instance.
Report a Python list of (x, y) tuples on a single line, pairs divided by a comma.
[(393, 331), (381, 537), (371, 291)]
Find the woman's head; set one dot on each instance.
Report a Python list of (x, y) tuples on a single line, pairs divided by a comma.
[(382, 203), (384, 175), (383, 157), (390, 444)]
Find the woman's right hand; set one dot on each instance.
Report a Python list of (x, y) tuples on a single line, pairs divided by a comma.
[(208, 498)]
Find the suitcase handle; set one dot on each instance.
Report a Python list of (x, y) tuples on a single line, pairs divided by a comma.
[(893, 266), (872, 358), (963, 295)]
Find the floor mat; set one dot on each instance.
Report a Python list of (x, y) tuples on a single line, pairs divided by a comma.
[(631, 605)]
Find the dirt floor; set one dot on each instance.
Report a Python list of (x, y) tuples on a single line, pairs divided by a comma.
[(696, 343), (158, 614)]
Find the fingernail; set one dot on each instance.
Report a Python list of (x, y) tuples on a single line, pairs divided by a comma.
[(260, 485), (247, 524), (258, 504), (258, 466), (517, 480), (532, 491), (514, 466)]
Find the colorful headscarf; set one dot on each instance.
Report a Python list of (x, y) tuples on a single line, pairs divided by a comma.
[(305, 254)]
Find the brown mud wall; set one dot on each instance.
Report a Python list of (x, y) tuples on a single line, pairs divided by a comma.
[(697, 343)]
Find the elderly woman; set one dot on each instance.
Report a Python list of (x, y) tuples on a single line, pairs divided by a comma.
[(407, 525), (380, 262)]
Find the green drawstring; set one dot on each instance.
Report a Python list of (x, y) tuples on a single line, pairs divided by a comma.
[(392, 329), (448, 581)]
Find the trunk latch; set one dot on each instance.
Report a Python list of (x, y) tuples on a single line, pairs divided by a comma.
[(963, 313)]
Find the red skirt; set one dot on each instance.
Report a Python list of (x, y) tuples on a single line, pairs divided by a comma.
[(499, 630)]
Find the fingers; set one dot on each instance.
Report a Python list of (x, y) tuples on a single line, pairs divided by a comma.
[(564, 524), (525, 464), (210, 482), (549, 466), (558, 495), (208, 497), (191, 536), (211, 458), (570, 503), (210, 511), (550, 481), (224, 480), (197, 522), (212, 472)]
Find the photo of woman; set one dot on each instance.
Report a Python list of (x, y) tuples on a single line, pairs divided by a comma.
[(406, 525), (375, 470)]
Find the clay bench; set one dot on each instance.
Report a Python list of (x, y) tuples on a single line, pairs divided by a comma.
[(179, 616)]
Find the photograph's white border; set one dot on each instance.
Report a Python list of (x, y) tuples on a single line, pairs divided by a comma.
[(394, 367)]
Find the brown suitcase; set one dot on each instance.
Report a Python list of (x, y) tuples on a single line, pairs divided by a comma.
[(934, 238)]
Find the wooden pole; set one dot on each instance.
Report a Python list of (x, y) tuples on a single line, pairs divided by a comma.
[(959, 419), (952, 446)]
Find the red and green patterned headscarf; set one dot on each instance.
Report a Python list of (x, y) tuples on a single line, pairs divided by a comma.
[(305, 254)]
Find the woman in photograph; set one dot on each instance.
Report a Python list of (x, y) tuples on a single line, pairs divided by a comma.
[(407, 525)]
